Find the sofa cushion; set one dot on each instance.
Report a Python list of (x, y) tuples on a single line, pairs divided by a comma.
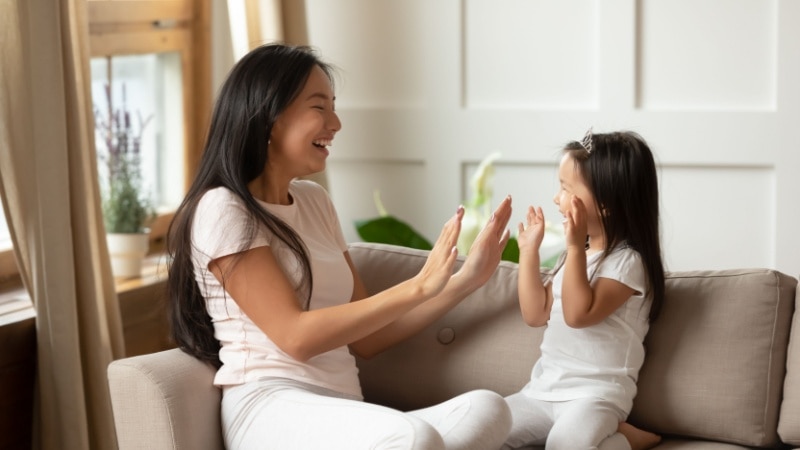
[(481, 343), (716, 357), (789, 424)]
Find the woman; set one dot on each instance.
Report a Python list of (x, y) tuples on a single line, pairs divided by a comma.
[(261, 284)]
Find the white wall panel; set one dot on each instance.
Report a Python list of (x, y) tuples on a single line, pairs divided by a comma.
[(377, 46), (431, 87), (708, 54), (531, 54), (352, 184), (718, 217)]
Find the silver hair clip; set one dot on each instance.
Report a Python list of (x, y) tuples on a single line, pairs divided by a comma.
[(586, 142)]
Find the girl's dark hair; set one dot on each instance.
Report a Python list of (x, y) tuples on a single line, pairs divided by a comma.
[(258, 89), (621, 172)]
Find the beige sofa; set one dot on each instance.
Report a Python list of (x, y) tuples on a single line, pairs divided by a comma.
[(722, 368)]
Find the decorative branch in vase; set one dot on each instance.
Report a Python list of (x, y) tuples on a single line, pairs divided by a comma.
[(127, 206)]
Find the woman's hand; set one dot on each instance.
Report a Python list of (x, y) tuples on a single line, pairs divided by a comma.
[(438, 268), (575, 228), (487, 248), (531, 234)]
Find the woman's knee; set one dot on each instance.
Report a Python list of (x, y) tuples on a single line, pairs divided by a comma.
[(493, 405), (422, 435)]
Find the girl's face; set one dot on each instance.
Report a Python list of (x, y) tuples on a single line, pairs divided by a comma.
[(302, 133), (571, 182)]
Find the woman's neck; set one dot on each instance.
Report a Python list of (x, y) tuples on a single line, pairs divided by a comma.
[(270, 191)]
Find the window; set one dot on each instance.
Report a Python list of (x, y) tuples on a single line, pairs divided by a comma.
[(9, 274), (149, 87), (159, 50), (162, 46), (5, 236)]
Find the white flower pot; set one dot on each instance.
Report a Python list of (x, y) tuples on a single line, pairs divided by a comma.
[(127, 251)]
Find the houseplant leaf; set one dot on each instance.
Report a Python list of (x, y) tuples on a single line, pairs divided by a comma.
[(390, 230), (511, 252)]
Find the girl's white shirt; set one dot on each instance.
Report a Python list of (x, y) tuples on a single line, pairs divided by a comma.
[(247, 353), (602, 360)]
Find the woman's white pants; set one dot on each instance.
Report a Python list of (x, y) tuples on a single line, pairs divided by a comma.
[(266, 415)]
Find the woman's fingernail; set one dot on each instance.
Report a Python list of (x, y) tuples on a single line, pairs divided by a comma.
[(491, 219)]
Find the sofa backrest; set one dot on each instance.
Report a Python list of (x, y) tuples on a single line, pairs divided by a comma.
[(789, 424), (716, 357), (715, 364), (482, 343)]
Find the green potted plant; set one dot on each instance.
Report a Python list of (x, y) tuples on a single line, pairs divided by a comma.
[(127, 206)]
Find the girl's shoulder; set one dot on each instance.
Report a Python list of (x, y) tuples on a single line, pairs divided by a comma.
[(624, 253), (623, 263)]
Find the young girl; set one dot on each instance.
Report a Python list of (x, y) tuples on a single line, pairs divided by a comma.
[(261, 284), (606, 289)]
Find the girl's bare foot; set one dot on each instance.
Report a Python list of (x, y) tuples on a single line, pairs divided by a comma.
[(639, 439)]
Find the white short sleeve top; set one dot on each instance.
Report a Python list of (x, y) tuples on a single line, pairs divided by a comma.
[(602, 360), (222, 227)]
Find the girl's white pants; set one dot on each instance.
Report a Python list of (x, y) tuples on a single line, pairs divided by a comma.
[(584, 424)]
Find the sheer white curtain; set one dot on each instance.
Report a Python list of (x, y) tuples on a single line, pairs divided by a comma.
[(48, 183)]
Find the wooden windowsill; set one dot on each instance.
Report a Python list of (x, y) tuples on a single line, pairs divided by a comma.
[(16, 305), (154, 271)]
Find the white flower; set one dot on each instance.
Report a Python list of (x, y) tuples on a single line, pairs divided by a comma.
[(477, 211)]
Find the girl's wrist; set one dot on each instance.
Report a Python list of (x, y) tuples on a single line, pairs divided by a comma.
[(576, 248)]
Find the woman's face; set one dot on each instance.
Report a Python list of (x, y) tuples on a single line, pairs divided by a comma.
[(302, 133)]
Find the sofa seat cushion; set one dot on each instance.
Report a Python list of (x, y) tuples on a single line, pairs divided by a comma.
[(716, 357)]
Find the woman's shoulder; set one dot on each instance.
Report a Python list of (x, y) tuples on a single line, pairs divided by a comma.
[(218, 200), (307, 186), (309, 190), (218, 195)]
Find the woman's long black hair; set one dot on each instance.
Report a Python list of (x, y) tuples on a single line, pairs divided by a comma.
[(258, 89), (621, 172)]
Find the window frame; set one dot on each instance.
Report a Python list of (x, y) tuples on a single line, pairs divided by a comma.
[(125, 27)]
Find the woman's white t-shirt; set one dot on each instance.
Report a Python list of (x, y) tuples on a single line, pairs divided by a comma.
[(220, 228), (602, 360)]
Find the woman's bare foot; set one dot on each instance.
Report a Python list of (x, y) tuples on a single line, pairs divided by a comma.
[(639, 439)]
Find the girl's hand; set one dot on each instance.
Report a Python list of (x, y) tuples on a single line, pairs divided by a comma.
[(531, 234), (438, 268), (575, 228)]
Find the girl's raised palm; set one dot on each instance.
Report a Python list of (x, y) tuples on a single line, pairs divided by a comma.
[(531, 234), (438, 268), (575, 228)]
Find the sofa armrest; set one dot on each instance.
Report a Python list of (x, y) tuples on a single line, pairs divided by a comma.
[(165, 400)]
